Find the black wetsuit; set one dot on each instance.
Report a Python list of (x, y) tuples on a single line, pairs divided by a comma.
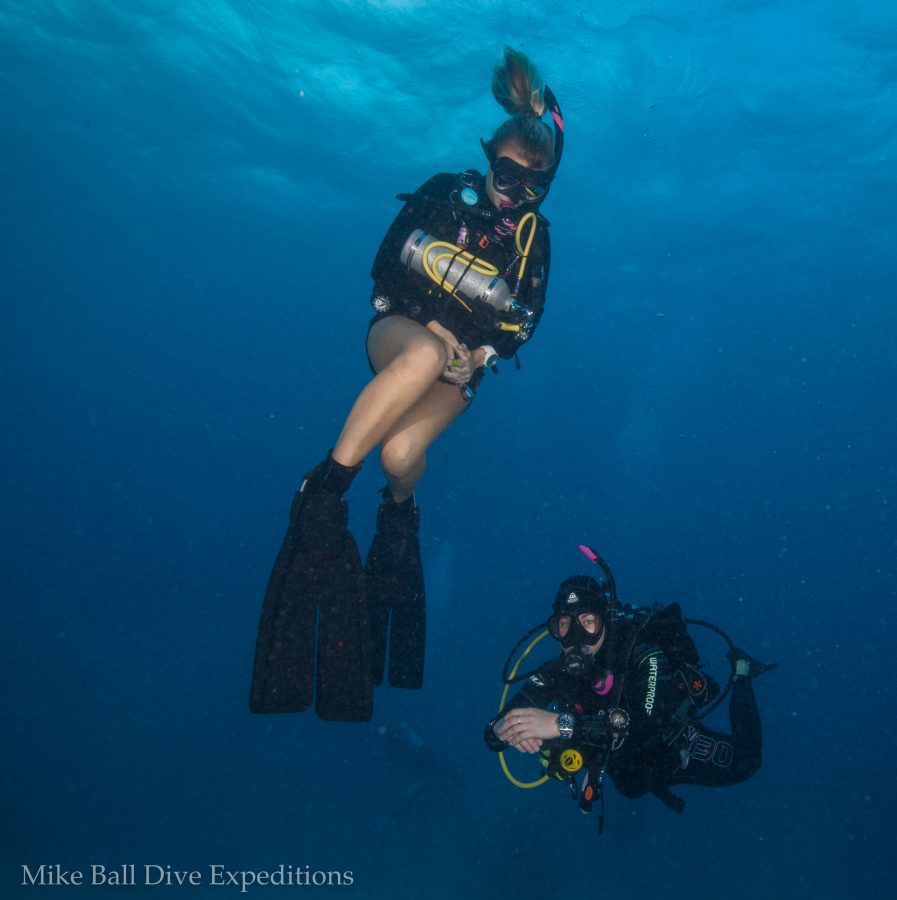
[(665, 746), (438, 209)]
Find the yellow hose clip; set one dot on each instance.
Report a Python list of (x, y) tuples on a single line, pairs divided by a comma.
[(571, 760)]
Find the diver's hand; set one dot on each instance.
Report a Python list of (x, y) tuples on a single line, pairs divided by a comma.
[(460, 367), (442, 332), (525, 729), (449, 339)]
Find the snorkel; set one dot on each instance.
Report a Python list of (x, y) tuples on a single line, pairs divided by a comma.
[(604, 685), (558, 118)]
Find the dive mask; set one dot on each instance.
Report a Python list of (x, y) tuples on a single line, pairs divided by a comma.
[(518, 183), (584, 628)]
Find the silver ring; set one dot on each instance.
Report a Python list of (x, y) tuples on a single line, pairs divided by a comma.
[(517, 720)]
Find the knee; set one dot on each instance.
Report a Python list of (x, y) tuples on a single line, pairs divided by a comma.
[(400, 457), (424, 359)]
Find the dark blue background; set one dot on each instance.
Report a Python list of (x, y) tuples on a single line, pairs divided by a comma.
[(192, 194)]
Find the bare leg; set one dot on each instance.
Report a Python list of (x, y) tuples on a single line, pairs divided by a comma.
[(409, 359), (403, 455)]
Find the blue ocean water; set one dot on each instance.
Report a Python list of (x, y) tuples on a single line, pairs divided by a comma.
[(193, 192)]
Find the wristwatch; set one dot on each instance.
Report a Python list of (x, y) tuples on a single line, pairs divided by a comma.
[(491, 357), (565, 726)]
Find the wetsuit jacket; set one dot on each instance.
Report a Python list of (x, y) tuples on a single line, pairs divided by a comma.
[(437, 208), (650, 693)]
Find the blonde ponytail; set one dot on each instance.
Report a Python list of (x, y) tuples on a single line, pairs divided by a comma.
[(519, 89), (516, 85)]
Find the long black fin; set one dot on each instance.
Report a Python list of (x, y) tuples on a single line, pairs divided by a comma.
[(316, 579), (397, 597)]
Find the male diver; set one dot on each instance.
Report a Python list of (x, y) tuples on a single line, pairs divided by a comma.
[(625, 698)]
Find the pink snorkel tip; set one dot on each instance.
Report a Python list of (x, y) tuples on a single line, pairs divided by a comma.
[(589, 553)]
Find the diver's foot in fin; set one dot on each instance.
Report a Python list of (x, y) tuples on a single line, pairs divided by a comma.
[(317, 568), (396, 596), (746, 665), (329, 476)]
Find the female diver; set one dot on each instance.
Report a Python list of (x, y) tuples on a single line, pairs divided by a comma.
[(459, 281)]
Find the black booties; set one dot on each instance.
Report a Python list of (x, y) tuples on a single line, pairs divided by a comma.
[(316, 590), (396, 597)]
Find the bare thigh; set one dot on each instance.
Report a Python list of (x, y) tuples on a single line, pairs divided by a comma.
[(408, 359), (404, 446), (396, 335), (428, 418)]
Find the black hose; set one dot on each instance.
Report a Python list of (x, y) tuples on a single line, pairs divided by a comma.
[(725, 692), (505, 674)]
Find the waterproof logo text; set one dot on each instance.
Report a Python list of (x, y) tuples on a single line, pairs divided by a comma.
[(652, 685)]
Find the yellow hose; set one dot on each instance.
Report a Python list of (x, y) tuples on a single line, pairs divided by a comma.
[(452, 253), (501, 705), (528, 219)]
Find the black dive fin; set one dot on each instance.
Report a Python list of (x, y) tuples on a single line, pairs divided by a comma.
[(317, 574), (378, 607), (396, 596), (283, 672), (343, 690)]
